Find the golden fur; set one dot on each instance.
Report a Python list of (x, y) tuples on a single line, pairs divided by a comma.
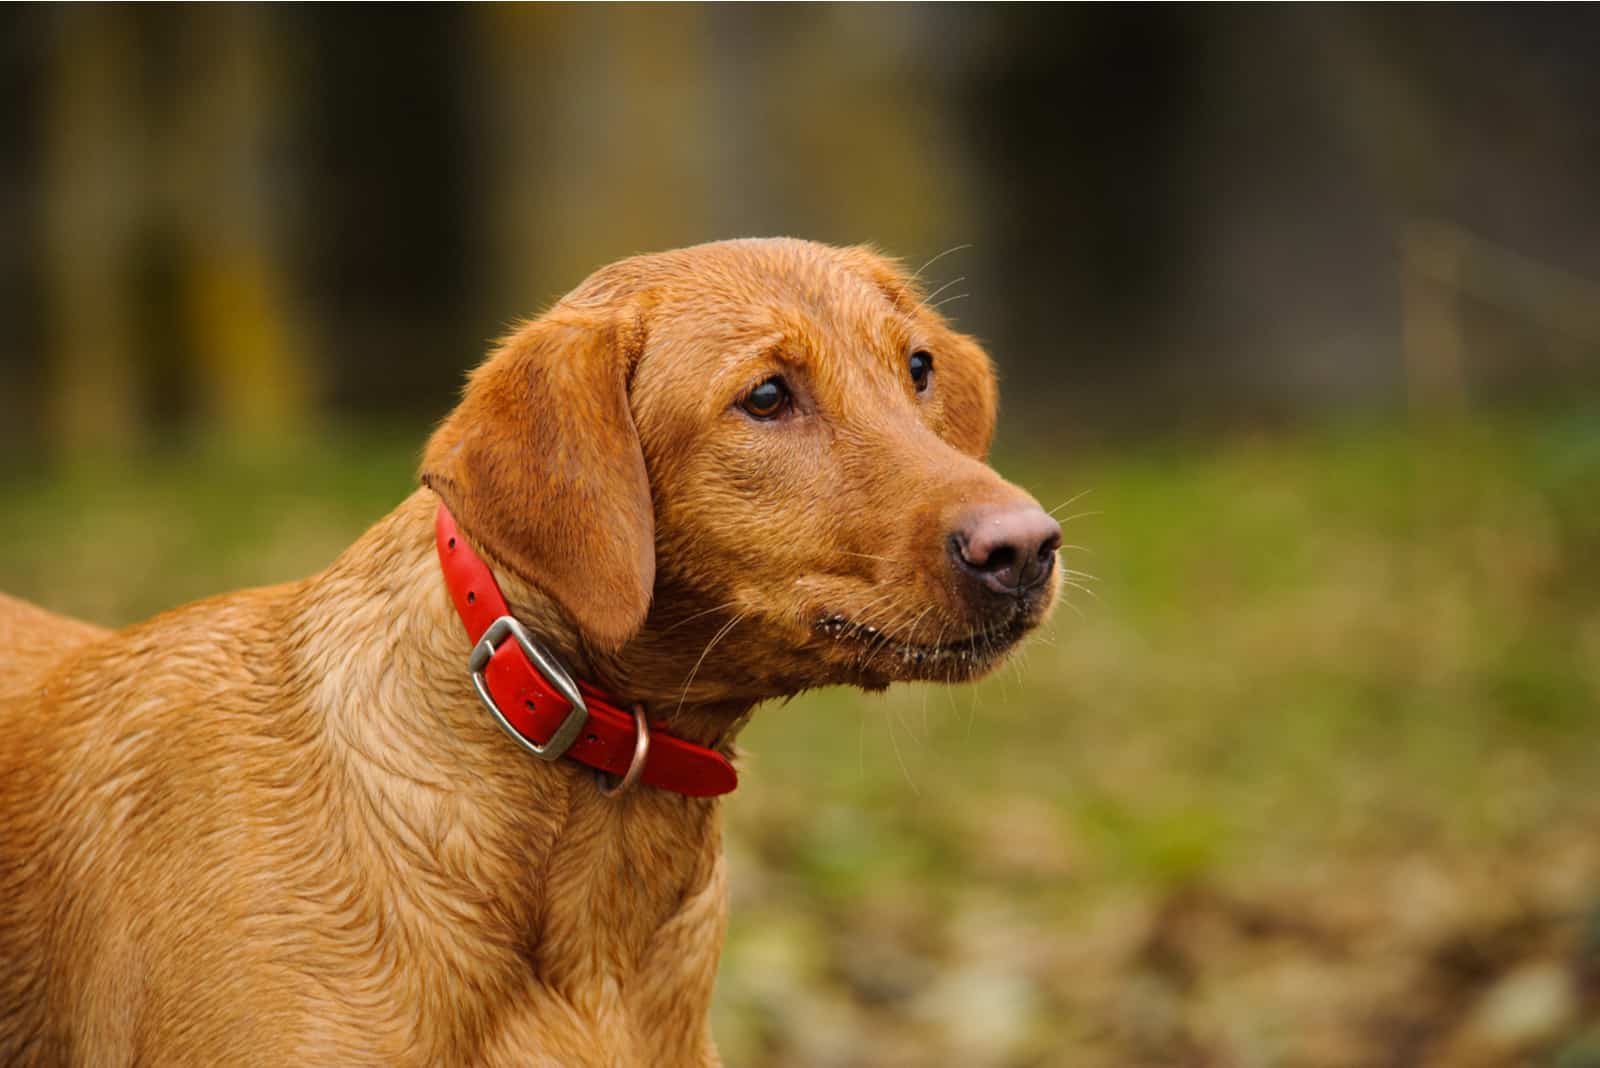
[(276, 827)]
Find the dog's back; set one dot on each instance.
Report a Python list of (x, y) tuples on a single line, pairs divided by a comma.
[(32, 643), (32, 639)]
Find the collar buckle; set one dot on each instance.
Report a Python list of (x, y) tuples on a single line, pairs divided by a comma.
[(556, 746)]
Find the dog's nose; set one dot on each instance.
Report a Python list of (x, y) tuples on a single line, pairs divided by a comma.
[(1009, 549)]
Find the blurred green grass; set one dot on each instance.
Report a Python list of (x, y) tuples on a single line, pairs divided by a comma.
[(1301, 651)]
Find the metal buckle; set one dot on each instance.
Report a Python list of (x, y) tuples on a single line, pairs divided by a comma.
[(641, 753), (545, 664)]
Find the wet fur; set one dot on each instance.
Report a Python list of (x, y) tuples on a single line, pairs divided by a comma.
[(275, 826)]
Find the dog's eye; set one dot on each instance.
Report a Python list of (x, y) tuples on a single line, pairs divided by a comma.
[(921, 370), (768, 400)]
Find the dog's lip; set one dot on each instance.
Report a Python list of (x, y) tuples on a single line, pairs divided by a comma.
[(979, 645)]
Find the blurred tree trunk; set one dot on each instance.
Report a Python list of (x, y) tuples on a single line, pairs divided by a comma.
[(242, 321), (96, 183), (130, 186), (620, 96), (615, 131), (1430, 319)]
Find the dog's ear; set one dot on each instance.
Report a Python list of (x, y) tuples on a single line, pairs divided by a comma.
[(541, 466)]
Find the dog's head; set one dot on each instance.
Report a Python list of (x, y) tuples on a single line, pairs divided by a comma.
[(771, 445)]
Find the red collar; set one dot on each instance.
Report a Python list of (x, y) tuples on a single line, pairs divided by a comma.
[(538, 703)]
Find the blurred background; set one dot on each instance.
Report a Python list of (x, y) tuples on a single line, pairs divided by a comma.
[(1299, 307)]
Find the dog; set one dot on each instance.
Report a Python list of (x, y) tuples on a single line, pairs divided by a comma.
[(454, 800)]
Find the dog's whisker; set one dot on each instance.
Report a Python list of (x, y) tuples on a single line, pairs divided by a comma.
[(917, 274), (704, 612), (911, 731), (715, 638), (900, 757), (865, 556), (858, 616), (1076, 497), (911, 631), (954, 281)]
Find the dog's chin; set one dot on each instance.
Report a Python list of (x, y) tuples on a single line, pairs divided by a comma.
[(872, 659)]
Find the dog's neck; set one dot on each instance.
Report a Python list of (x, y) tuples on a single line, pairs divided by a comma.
[(585, 886)]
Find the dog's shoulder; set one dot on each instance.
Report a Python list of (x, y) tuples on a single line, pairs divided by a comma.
[(32, 639)]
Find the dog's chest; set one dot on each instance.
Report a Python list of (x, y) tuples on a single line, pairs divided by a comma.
[(615, 968), (608, 1032)]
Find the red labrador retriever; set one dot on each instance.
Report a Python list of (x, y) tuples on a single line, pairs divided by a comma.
[(369, 818)]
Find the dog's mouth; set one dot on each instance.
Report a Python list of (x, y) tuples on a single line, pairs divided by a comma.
[(877, 651)]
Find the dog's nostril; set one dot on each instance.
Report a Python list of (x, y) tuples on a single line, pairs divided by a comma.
[(1009, 549), (1001, 559)]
